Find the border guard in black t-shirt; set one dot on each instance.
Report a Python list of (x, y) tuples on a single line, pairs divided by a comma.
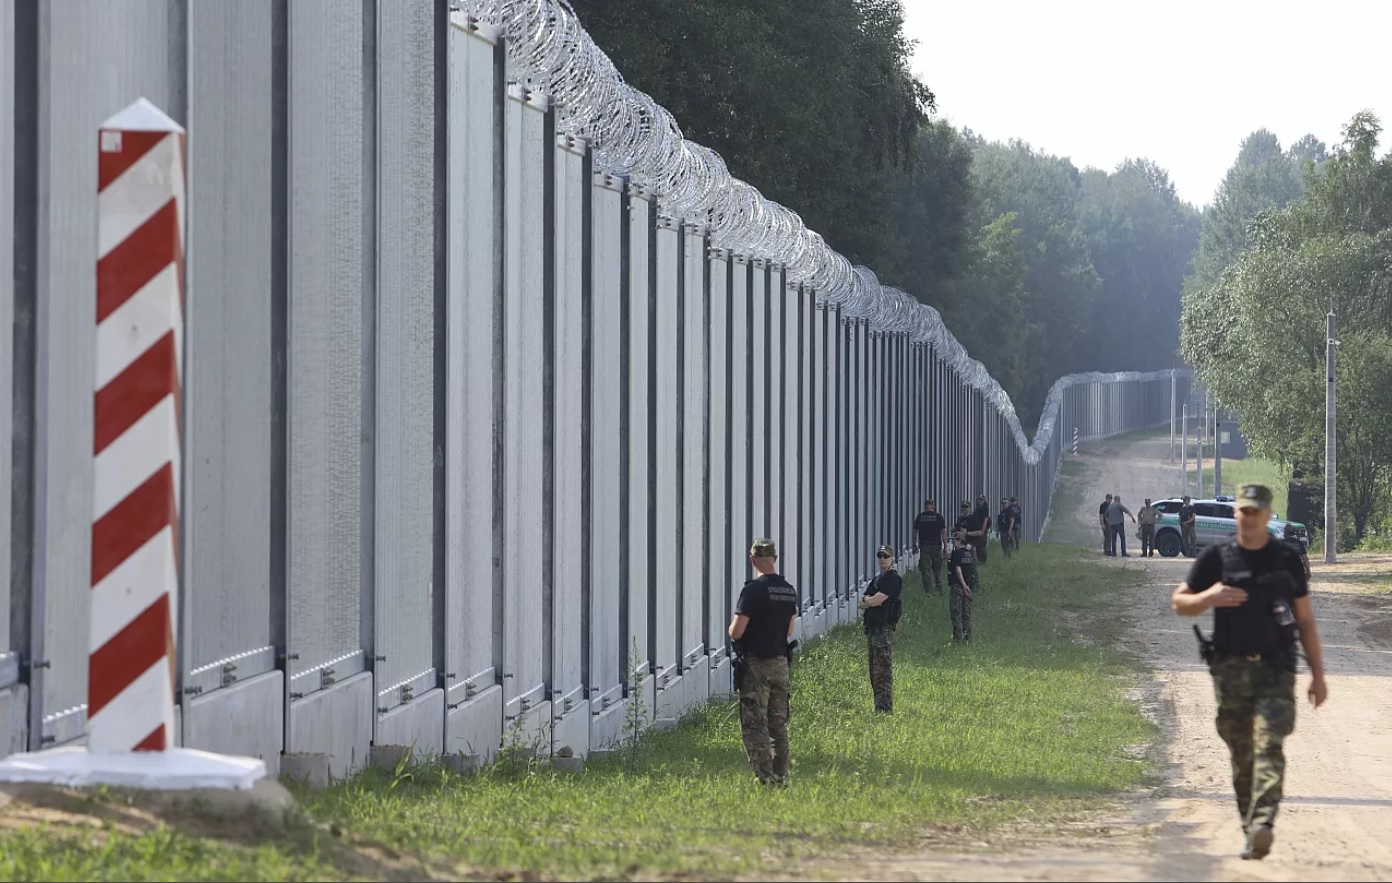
[(761, 633), (930, 528), (1261, 602), (962, 577), (882, 606)]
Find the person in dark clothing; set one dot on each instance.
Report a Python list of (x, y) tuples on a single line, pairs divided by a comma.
[(983, 520), (967, 523), (1017, 515), (1257, 590), (962, 576), (1005, 527), (760, 631), (1102, 522), (880, 604), (931, 530)]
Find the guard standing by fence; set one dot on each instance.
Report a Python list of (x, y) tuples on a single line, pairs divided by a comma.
[(882, 605), (931, 530), (1261, 607), (761, 632), (962, 571)]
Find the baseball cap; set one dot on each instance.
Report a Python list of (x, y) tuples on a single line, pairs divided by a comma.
[(762, 548), (1254, 495), (885, 550)]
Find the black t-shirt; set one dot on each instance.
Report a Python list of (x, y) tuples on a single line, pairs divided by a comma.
[(1015, 514), (983, 515), (1186, 514), (929, 526), (1274, 573), (964, 558), (1102, 510), (770, 602), (1005, 518), (891, 584), (967, 522)]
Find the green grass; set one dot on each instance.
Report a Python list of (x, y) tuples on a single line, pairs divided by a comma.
[(1029, 722), (1068, 498)]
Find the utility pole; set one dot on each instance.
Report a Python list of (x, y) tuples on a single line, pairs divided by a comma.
[(1184, 443), (1172, 413), (1331, 482), (1198, 446), (1217, 452)]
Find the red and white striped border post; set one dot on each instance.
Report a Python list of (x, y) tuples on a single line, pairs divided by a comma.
[(137, 447), (1075, 441)]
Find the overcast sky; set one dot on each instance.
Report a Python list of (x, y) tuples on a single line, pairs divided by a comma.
[(1181, 82)]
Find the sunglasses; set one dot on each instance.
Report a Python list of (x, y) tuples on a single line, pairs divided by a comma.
[(883, 555)]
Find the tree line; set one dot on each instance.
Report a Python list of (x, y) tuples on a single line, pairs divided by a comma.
[(1293, 235), (1039, 268)]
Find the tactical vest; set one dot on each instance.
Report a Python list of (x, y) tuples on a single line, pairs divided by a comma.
[(1278, 629)]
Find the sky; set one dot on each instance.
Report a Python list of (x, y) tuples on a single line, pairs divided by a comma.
[(1179, 82)]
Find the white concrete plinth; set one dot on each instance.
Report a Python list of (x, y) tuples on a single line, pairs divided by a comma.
[(176, 769)]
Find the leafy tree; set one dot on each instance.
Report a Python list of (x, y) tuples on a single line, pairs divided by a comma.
[(1257, 336)]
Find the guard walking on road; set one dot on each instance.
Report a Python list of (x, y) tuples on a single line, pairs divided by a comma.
[(761, 632), (1261, 607), (882, 606)]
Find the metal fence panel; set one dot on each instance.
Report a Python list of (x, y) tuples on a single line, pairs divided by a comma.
[(667, 397), (792, 565), (7, 293), (639, 424), (777, 448), (567, 504), (760, 405), (227, 523), (740, 431), (721, 551), (608, 649), (91, 66), (405, 434), (695, 382), (330, 285), (529, 150), (473, 498)]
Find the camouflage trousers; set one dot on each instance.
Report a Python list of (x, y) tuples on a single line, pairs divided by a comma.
[(959, 606), (1186, 539), (1147, 539), (930, 561), (1256, 712), (882, 668), (763, 692)]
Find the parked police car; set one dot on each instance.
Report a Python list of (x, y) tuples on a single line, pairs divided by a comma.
[(1214, 521)]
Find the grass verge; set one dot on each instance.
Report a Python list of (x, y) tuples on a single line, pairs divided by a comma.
[(1029, 722)]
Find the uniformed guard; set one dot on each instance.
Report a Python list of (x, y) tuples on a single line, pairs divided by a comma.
[(1017, 516), (982, 540), (1005, 527), (1146, 518), (931, 530), (1261, 607), (881, 605), (1187, 535), (761, 631), (961, 569)]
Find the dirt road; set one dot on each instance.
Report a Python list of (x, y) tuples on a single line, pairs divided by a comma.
[(1336, 820)]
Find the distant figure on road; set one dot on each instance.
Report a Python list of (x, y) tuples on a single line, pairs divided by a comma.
[(1261, 607), (1102, 523), (760, 631), (1116, 523), (1146, 518), (1186, 527)]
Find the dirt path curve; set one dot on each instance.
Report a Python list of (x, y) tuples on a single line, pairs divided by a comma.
[(1336, 820)]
